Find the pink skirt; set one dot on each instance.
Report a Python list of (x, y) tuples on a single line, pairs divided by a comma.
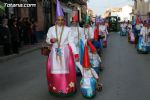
[(62, 84)]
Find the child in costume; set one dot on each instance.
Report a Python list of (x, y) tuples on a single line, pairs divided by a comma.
[(97, 42), (143, 39), (90, 80), (137, 28), (103, 32), (131, 37), (86, 35), (95, 61), (123, 29)]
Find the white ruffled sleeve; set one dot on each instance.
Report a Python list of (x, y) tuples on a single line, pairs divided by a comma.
[(49, 36), (94, 73), (142, 31), (72, 42), (91, 33)]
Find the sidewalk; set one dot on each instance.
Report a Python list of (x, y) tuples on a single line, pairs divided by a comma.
[(24, 50)]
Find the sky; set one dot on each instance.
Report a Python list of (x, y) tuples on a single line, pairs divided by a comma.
[(100, 6)]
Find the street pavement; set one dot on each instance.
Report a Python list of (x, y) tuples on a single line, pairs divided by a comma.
[(126, 75), (23, 50)]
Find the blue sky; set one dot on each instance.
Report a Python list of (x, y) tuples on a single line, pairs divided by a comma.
[(99, 6)]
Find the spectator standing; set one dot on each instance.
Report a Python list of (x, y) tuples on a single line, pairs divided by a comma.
[(25, 31), (29, 30), (5, 37), (34, 32), (20, 30), (15, 37)]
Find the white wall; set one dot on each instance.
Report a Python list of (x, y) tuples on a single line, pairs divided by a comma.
[(125, 14)]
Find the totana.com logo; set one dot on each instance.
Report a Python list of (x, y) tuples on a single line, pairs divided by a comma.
[(19, 5)]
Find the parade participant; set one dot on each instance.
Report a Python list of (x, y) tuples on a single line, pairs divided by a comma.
[(137, 28), (61, 73), (143, 39), (76, 31), (107, 25), (95, 61), (87, 30), (86, 37), (128, 30), (103, 32), (97, 41), (121, 25), (131, 37), (148, 33), (90, 80), (123, 29)]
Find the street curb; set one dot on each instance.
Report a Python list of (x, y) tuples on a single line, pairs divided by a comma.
[(6, 58)]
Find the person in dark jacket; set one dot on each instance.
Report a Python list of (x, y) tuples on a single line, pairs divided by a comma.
[(34, 32), (5, 37), (25, 31), (20, 29), (15, 37)]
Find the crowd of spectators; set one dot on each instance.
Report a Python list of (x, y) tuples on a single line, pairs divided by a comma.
[(17, 32)]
